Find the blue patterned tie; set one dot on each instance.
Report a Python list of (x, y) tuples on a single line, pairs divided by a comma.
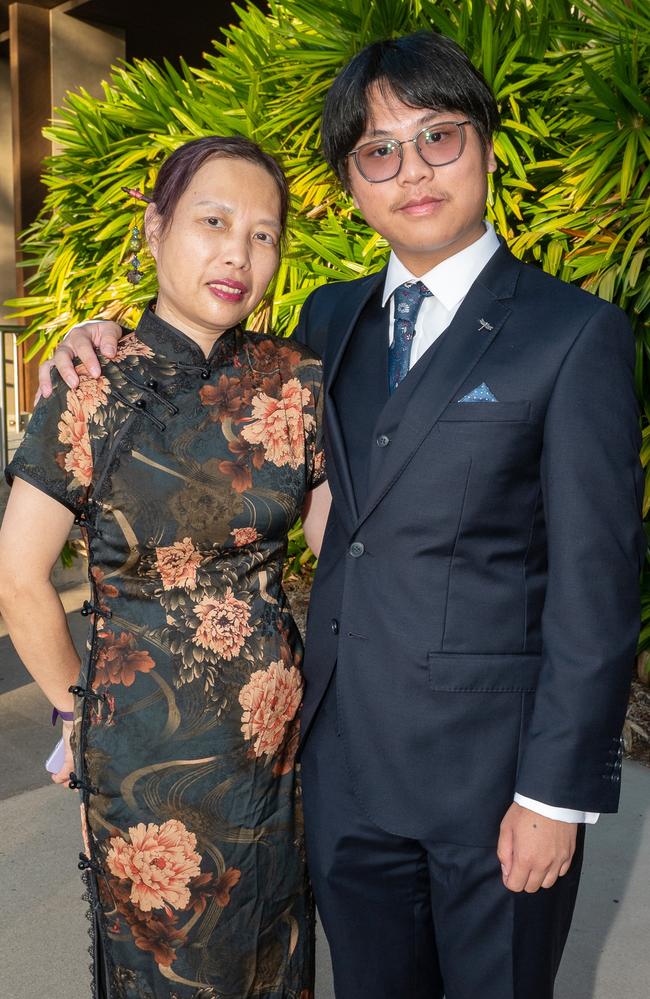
[(407, 300)]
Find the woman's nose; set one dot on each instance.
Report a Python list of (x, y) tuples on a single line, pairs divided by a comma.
[(235, 251)]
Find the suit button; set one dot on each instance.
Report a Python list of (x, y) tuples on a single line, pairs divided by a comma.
[(334, 625), (383, 440), (357, 549)]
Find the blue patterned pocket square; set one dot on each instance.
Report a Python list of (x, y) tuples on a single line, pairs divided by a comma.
[(480, 394)]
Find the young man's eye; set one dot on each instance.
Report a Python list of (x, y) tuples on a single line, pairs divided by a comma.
[(380, 152), (434, 136)]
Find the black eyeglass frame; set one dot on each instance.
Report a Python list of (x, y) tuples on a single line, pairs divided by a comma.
[(400, 143)]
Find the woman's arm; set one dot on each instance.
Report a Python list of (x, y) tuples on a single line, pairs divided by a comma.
[(33, 532), (315, 512)]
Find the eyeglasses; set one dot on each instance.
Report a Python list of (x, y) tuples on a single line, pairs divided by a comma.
[(437, 145)]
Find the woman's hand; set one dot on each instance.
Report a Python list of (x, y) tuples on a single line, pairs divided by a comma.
[(63, 776), (315, 512), (84, 341)]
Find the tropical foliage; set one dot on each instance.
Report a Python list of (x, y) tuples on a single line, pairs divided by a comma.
[(572, 192)]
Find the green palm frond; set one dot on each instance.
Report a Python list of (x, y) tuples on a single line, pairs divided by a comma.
[(572, 192)]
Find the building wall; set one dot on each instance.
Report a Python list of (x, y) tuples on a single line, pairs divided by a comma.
[(81, 55), (7, 248)]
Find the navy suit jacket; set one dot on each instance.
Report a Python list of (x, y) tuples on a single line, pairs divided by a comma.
[(478, 589)]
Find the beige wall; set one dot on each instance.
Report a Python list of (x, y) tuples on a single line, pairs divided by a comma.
[(7, 246), (82, 55)]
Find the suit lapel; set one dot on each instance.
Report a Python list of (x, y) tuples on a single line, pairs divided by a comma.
[(344, 317), (432, 384)]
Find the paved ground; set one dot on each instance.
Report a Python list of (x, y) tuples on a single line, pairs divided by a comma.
[(43, 929)]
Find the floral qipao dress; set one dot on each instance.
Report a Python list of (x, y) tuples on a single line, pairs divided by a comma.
[(186, 473)]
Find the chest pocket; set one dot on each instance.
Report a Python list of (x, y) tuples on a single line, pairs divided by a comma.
[(487, 412)]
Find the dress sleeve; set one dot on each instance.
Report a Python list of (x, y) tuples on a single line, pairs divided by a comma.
[(55, 454), (316, 472)]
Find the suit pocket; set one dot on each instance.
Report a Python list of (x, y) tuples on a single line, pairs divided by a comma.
[(471, 673), (487, 412)]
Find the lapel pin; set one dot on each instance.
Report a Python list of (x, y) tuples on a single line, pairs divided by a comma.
[(484, 326)]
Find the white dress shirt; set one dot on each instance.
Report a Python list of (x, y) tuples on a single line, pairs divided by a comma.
[(449, 283)]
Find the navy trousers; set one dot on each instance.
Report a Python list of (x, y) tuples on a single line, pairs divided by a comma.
[(407, 919)]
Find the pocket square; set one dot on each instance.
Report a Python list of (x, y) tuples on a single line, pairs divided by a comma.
[(480, 394)]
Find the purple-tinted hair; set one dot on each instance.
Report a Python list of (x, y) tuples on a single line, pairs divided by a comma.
[(180, 167)]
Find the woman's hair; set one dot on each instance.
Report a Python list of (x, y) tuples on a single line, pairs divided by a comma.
[(178, 170), (423, 70)]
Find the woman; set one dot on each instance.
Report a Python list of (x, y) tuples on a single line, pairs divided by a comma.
[(185, 464)]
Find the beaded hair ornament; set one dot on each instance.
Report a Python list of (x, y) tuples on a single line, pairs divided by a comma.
[(134, 274)]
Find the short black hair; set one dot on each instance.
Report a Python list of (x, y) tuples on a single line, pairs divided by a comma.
[(423, 70)]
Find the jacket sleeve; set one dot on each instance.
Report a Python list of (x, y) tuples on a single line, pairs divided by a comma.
[(591, 483), (308, 331)]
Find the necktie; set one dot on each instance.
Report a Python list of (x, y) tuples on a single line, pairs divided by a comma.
[(407, 300)]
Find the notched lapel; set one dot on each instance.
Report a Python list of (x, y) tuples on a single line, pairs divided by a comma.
[(434, 382), (344, 317)]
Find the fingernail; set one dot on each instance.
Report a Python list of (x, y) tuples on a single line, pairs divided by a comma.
[(110, 351)]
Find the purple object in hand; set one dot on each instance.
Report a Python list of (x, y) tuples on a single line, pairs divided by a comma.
[(55, 760)]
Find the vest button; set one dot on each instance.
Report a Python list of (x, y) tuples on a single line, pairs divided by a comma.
[(357, 549), (334, 625), (383, 440)]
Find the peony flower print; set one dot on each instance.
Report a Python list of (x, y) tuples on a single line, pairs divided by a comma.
[(91, 393), (118, 659), (105, 591), (270, 700), (245, 536), (227, 398), (177, 565), (280, 425), (73, 431), (223, 624), (159, 861), (131, 346)]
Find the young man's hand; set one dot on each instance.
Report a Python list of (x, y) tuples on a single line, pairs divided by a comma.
[(84, 341), (534, 851)]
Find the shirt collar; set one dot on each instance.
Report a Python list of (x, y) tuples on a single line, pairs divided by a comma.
[(450, 280)]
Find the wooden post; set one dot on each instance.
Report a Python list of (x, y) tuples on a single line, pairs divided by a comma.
[(29, 55)]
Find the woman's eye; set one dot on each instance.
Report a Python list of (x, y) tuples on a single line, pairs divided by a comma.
[(265, 237), (213, 221)]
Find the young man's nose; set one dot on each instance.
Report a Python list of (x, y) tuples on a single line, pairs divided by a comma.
[(413, 168)]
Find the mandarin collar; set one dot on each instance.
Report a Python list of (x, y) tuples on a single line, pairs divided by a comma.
[(171, 344)]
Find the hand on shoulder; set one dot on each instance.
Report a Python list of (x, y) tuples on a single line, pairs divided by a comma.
[(85, 341)]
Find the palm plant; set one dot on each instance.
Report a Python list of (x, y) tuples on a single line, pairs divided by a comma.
[(572, 192)]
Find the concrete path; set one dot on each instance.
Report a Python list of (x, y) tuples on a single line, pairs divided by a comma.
[(43, 929)]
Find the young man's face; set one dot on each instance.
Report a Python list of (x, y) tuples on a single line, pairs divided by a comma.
[(426, 213)]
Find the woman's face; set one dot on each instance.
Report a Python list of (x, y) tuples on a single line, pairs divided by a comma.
[(218, 254)]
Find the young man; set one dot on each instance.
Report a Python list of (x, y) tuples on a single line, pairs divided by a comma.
[(475, 611)]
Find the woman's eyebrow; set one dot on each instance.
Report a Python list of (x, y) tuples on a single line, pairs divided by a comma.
[(228, 210)]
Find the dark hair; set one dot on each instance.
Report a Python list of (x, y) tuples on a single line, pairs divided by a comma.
[(178, 169), (423, 70)]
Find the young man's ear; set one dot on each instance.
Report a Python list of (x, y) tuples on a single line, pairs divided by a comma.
[(490, 158), (152, 229)]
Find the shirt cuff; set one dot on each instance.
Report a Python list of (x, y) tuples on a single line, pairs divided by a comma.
[(560, 814)]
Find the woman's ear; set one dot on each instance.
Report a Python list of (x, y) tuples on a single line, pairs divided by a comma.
[(152, 229)]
